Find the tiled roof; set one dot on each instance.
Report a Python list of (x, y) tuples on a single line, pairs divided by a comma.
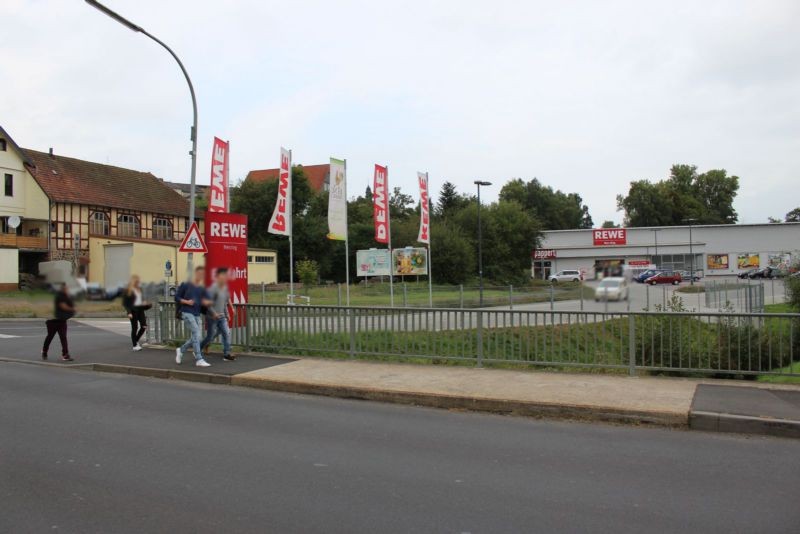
[(317, 175), (200, 189), (73, 180)]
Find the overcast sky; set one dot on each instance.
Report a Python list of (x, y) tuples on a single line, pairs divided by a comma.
[(586, 96)]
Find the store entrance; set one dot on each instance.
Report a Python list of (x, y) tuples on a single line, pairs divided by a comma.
[(541, 269), (606, 268)]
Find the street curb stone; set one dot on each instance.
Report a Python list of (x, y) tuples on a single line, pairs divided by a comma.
[(743, 424)]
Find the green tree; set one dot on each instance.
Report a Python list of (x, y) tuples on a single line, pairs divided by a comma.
[(307, 272), (609, 224), (706, 198), (555, 209), (450, 201), (793, 216)]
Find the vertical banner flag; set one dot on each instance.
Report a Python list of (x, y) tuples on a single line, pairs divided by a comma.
[(281, 222), (337, 202), (380, 204), (226, 237), (218, 192), (424, 208)]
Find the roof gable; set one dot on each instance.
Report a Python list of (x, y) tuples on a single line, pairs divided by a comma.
[(317, 175), (72, 180)]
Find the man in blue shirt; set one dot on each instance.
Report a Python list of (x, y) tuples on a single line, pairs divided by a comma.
[(190, 298)]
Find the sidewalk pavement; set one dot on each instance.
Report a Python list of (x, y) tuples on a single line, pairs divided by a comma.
[(704, 404)]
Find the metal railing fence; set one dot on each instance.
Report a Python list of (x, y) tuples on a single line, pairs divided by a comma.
[(746, 296), (681, 342)]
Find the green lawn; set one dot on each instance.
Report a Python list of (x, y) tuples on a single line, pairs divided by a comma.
[(779, 308)]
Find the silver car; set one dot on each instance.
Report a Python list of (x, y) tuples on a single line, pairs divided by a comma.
[(566, 276)]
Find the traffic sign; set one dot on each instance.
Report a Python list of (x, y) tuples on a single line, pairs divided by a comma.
[(193, 242)]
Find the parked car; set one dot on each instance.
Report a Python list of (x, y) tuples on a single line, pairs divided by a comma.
[(665, 277), (766, 272), (687, 275), (612, 288), (641, 277), (748, 273), (566, 276)]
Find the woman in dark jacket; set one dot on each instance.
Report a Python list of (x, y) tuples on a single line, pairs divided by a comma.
[(136, 307)]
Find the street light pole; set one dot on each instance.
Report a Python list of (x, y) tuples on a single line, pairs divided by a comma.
[(655, 236), (193, 135), (479, 183), (691, 251)]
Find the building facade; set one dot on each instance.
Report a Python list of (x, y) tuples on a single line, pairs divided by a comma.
[(714, 250)]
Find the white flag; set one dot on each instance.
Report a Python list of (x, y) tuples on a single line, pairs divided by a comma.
[(281, 222), (337, 201)]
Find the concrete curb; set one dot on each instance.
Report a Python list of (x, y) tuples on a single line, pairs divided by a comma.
[(189, 376), (743, 424), (455, 402)]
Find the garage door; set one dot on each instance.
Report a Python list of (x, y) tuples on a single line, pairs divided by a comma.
[(118, 265)]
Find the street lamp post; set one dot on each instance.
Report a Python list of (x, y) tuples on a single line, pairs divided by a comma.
[(193, 135), (655, 236), (480, 183), (691, 251)]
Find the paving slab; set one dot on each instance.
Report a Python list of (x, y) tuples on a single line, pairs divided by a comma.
[(724, 408), (583, 396)]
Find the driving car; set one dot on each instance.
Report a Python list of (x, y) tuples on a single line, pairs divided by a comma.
[(641, 277), (566, 276), (665, 277), (612, 288)]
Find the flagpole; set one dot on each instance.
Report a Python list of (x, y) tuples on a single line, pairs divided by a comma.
[(291, 234), (389, 230), (430, 264), (346, 238), (228, 179)]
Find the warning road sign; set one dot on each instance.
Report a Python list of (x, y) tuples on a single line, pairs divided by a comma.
[(193, 242)]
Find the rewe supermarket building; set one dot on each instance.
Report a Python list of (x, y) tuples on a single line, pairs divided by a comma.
[(717, 250)]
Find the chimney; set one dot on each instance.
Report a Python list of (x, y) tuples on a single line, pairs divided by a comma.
[(51, 152)]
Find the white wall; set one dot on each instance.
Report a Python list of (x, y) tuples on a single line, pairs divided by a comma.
[(9, 266)]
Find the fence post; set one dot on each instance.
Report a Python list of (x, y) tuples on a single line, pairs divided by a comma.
[(581, 293), (338, 294), (480, 338), (263, 293), (664, 297), (647, 288), (631, 345), (461, 295), (405, 295), (510, 297), (351, 315), (246, 325), (552, 296)]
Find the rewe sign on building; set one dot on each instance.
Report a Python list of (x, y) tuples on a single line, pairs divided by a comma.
[(609, 236)]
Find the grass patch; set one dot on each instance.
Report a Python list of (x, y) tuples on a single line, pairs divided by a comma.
[(691, 289), (784, 307), (777, 379)]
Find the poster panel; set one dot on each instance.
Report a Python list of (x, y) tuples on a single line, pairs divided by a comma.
[(717, 262), (373, 262), (780, 260), (410, 261), (748, 260), (226, 239)]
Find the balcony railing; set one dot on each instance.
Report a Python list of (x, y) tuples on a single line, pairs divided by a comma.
[(24, 242)]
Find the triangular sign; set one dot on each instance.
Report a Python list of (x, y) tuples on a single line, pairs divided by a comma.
[(193, 242)]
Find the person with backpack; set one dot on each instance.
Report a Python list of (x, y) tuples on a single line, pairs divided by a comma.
[(64, 311), (190, 298), (217, 315), (136, 307)]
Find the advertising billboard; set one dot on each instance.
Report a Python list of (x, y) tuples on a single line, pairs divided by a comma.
[(609, 236), (748, 260), (373, 262), (717, 262), (780, 260), (410, 261), (226, 239)]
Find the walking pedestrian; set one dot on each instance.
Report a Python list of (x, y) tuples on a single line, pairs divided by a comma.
[(136, 307), (190, 298), (64, 310), (217, 315)]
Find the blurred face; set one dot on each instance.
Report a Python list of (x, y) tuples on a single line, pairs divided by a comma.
[(222, 278), (136, 281), (199, 276)]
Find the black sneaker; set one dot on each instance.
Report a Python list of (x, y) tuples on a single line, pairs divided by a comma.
[(67, 358), (44, 355), (229, 358)]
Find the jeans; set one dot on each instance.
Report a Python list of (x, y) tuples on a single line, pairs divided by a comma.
[(218, 326), (138, 324), (56, 326), (193, 323)]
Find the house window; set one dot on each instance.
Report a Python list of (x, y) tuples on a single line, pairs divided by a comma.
[(128, 226), (99, 224), (261, 259), (2, 145), (9, 185), (67, 228), (162, 229)]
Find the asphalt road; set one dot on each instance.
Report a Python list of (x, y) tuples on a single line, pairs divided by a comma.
[(89, 452)]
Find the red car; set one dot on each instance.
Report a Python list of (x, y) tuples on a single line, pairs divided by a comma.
[(666, 277)]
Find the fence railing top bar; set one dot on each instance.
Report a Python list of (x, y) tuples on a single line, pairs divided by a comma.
[(593, 313)]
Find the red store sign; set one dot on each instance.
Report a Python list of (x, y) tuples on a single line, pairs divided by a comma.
[(543, 254), (609, 236), (226, 237)]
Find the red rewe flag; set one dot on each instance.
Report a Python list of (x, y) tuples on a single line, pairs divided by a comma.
[(218, 192), (380, 204), (281, 222), (424, 205)]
